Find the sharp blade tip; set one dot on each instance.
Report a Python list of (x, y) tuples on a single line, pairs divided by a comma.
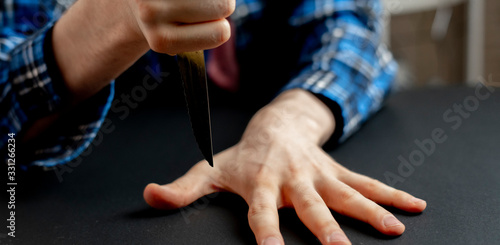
[(210, 162)]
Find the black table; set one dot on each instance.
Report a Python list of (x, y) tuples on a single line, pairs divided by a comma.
[(99, 200)]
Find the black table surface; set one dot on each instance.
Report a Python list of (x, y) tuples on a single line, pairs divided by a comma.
[(99, 200)]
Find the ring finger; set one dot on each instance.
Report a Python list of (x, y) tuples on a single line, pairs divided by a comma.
[(314, 213), (347, 201)]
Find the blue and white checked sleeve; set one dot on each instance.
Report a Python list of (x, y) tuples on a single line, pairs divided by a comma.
[(344, 58), (29, 90)]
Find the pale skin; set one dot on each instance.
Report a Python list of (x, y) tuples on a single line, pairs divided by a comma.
[(277, 163)]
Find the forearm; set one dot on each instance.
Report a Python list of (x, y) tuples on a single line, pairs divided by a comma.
[(93, 43)]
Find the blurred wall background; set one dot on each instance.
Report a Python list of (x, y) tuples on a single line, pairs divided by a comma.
[(492, 39), (430, 39)]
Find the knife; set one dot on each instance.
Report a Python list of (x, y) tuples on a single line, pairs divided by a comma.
[(194, 80)]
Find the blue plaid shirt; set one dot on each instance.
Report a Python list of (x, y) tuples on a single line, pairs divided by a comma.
[(342, 58)]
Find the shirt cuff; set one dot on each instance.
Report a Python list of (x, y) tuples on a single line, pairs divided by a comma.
[(337, 114), (73, 132), (40, 91), (34, 90)]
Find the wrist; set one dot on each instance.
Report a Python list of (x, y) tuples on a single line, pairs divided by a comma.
[(313, 117), (296, 112), (116, 16), (93, 43)]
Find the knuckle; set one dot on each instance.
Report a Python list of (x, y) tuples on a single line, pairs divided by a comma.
[(347, 195), (307, 198), (398, 194), (183, 200), (258, 195), (156, 46), (308, 202), (342, 171), (263, 176), (296, 186), (227, 7), (162, 43), (155, 42), (296, 170), (373, 185), (259, 208), (147, 13), (222, 32), (328, 227)]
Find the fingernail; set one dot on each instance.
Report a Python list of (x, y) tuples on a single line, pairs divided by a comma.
[(336, 237), (272, 241), (391, 221), (417, 200)]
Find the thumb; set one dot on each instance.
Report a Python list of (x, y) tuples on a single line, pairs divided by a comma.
[(193, 185)]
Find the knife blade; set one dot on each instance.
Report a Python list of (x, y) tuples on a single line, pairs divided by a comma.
[(194, 80)]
